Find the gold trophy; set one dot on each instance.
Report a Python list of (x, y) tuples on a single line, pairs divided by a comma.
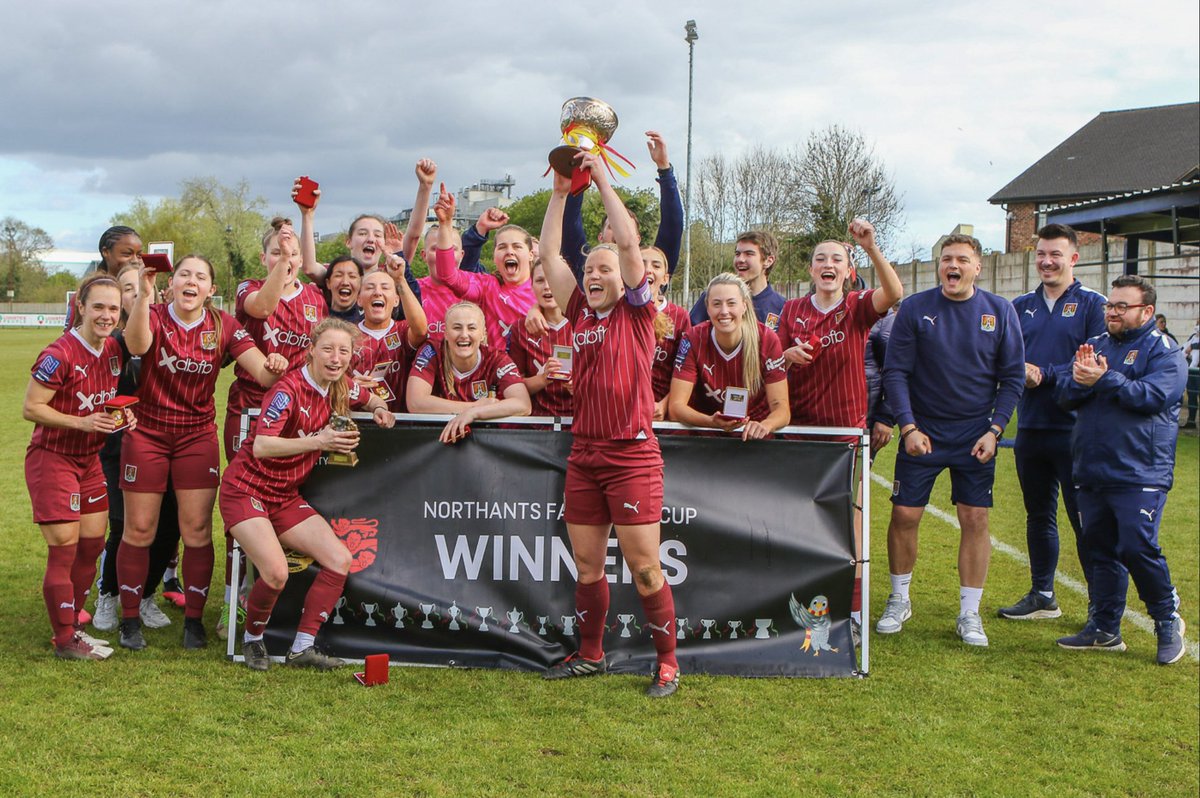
[(342, 424), (587, 125)]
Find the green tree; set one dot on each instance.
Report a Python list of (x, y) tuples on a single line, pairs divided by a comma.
[(23, 247)]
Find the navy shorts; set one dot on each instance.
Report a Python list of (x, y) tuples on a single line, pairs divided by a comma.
[(970, 481)]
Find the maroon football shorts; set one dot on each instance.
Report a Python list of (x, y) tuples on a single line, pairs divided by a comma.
[(148, 457), (237, 507), (617, 482), (63, 487)]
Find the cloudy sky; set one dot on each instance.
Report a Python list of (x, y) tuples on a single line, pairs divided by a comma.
[(103, 102)]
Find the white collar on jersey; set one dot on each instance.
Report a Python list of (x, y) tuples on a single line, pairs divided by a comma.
[(376, 334), (181, 322), (661, 304), (86, 345), (736, 350), (462, 375), (556, 327), (294, 294), (825, 311), (313, 383)]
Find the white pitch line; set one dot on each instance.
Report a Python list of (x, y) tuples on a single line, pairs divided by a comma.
[(1138, 619)]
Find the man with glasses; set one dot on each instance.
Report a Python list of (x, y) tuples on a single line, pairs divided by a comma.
[(1126, 386), (1055, 319)]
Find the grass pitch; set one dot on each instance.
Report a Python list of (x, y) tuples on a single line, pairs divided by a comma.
[(935, 717)]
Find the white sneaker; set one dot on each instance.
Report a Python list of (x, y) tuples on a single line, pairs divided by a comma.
[(970, 629), (152, 616), (94, 642), (107, 613), (894, 615)]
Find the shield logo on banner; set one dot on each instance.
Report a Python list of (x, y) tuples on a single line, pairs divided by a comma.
[(773, 321), (479, 389), (75, 502), (208, 339), (131, 473), (987, 322), (114, 365), (310, 313), (392, 340), (1132, 356), (359, 535), (1069, 309)]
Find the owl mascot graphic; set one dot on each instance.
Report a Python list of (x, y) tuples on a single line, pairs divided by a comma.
[(814, 619)]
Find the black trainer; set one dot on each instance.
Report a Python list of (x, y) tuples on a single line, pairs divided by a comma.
[(194, 635), (576, 665), (666, 681), (254, 652), (312, 658), (131, 634), (1032, 606)]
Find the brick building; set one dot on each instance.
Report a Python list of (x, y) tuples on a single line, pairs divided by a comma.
[(1115, 153)]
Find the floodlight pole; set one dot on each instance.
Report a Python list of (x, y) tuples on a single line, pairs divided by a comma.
[(690, 37)]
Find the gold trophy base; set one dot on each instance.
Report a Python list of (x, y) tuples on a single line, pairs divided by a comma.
[(341, 459)]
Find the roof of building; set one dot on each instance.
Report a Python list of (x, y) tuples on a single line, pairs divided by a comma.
[(1117, 152)]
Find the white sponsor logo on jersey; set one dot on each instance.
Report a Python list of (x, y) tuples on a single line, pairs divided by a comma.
[(277, 336), (177, 365), (90, 403)]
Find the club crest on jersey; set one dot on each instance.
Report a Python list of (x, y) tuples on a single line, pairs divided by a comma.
[(114, 366), (256, 504), (1069, 309), (773, 321), (310, 313), (75, 502), (837, 317), (685, 346), (1131, 357), (424, 356), (479, 389), (131, 473), (278, 405), (987, 322), (392, 340), (208, 339)]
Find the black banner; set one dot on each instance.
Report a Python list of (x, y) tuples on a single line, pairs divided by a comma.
[(461, 556)]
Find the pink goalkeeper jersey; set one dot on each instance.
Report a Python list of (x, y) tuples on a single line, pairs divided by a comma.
[(613, 395), (436, 296), (504, 304), (180, 370), (832, 392), (701, 362), (82, 379), (295, 407), (285, 331)]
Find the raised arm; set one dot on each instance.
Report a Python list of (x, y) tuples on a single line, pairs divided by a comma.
[(262, 303), (670, 225), (625, 234), (558, 273), (444, 266), (138, 335), (308, 242), (426, 173), (891, 290)]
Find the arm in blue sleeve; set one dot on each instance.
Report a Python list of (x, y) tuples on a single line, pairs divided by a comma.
[(1010, 369), (411, 279), (1159, 388), (899, 363), (699, 313), (1068, 393), (472, 243), (574, 240), (670, 224)]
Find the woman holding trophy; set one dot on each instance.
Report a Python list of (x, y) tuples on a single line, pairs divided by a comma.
[(614, 472), (183, 344), (304, 414), (70, 384), (729, 370)]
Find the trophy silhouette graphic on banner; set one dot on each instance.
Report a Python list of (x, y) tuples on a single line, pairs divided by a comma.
[(337, 611), (399, 613), (370, 610), (454, 612), (763, 627), (514, 616), (427, 611), (708, 624), (542, 621), (568, 622), (625, 619), (733, 629), (484, 613), (587, 124), (682, 628)]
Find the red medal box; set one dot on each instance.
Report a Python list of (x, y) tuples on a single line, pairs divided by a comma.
[(116, 408), (376, 671)]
